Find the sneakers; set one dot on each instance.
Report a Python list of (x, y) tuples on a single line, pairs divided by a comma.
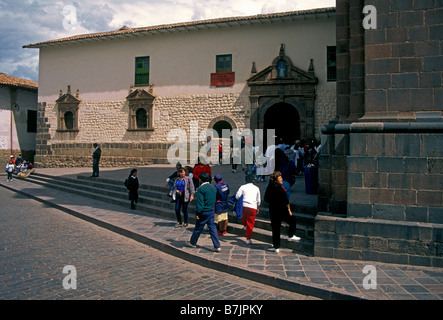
[(276, 250), (248, 241), (294, 238), (216, 249), (178, 225)]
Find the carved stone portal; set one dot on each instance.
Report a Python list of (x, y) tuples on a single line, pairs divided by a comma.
[(282, 97)]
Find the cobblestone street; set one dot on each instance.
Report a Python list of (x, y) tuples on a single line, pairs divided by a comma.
[(37, 242)]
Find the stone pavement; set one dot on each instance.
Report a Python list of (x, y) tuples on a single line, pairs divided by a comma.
[(320, 277)]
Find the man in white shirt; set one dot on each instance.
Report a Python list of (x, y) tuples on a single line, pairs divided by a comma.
[(251, 203)]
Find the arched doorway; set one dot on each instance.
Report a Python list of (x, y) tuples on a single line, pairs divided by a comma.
[(220, 125), (284, 118)]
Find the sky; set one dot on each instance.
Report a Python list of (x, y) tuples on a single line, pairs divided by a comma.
[(29, 21)]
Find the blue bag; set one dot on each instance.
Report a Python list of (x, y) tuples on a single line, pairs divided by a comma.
[(238, 206)]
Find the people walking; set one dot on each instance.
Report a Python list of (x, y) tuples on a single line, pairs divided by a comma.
[(222, 205), (182, 193), (132, 187), (96, 160), (279, 210), (205, 203), (251, 204)]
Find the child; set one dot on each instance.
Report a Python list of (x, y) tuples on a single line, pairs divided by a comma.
[(9, 169)]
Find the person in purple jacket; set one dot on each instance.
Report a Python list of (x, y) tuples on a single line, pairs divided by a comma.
[(222, 205), (182, 193)]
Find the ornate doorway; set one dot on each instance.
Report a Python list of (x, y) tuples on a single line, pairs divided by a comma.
[(283, 93)]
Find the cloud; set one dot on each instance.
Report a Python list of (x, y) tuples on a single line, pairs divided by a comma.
[(30, 21)]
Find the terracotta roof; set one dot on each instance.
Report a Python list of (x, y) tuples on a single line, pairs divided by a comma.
[(7, 80), (187, 26)]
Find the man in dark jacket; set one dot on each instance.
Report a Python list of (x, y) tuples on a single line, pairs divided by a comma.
[(95, 160), (132, 186), (205, 204)]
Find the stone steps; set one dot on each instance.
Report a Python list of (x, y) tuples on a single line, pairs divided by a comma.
[(154, 200)]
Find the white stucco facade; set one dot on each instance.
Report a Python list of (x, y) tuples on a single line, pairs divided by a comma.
[(101, 69)]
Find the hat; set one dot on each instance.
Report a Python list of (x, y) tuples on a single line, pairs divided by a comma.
[(204, 177), (218, 177)]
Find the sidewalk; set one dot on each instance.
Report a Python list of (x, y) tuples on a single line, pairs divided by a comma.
[(320, 277)]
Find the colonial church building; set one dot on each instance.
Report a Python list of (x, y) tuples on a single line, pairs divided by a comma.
[(127, 89)]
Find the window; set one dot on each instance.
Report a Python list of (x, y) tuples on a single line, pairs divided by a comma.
[(69, 120), (142, 71), (32, 121), (223, 77), (224, 63), (331, 64), (141, 118), (281, 69), (68, 106), (141, 103)]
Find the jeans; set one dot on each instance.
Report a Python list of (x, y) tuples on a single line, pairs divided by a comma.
[(180, 203), (205, 218)]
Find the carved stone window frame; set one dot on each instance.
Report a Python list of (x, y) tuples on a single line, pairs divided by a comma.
[(67, 103), (141, 99)]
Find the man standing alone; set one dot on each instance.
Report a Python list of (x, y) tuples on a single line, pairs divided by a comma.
[(95, 160), (205, 203)]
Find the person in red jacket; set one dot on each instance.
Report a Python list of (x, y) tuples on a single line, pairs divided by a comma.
[(199, 168)]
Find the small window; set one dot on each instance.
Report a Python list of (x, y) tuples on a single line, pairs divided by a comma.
[(331, 63), (141, 118), (32, 121), (69, 120), (142, 71), (281, 69), (224, 63)]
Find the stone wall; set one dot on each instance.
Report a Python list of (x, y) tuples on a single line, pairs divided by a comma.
[(396, 176), (381, 182), (404, 69), (325, 109), (106, 123)]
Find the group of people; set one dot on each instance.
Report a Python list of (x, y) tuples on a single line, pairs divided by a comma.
[(18, 166), (212, 203), (189, 184)]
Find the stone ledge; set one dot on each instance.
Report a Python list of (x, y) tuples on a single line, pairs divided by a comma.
[(384, 127), (379, 240)]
